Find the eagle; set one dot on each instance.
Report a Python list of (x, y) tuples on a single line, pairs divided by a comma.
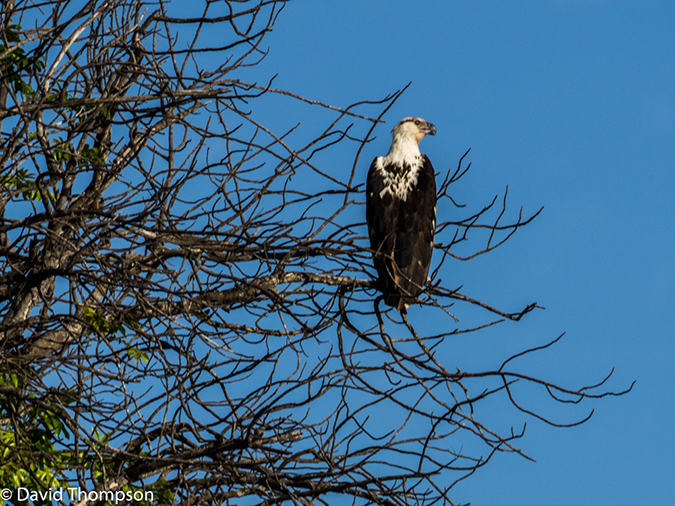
[(401, 214)]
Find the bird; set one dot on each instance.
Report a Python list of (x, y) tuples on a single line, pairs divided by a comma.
[(401, 214)]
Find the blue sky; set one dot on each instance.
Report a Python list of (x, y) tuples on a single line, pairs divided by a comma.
[(571, 103)]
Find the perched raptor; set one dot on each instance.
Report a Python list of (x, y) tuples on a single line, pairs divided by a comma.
[(401, 214)]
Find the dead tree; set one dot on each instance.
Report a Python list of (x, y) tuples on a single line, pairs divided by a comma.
[(186, 294)]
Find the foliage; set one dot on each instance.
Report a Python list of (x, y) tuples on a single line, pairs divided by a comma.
[(15, 63), (29, 429)]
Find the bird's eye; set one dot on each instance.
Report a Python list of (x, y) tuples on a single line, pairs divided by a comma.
[(417, 122)]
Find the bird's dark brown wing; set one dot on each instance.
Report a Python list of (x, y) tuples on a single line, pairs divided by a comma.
[(382, 212), (416, 227)]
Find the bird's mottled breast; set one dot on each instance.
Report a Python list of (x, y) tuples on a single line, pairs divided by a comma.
[(399, 177)]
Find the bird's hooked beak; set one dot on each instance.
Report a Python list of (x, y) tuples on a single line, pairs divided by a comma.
[(429, 129)]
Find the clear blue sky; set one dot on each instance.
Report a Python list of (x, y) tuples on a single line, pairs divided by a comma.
[(572, 104)]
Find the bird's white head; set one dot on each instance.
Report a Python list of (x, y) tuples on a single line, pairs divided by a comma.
[(413, 128), (406, 136)]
